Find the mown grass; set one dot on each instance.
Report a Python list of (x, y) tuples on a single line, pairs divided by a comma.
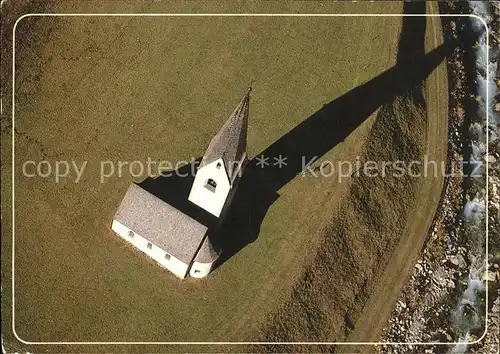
[(118, 90), (158, 96)]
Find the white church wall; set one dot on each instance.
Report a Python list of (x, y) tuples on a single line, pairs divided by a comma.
[(233, 189), (200, 270), (211, 201), (173, 264)]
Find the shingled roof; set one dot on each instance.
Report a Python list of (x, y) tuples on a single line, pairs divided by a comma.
[(231, 140), (161, 224), (207, 252)]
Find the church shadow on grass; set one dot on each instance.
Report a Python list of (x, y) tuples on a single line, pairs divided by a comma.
[(311, 139), (173, 187)]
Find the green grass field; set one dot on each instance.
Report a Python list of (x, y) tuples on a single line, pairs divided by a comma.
[(122, 89)]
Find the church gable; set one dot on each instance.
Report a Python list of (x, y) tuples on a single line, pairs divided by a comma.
[(211, 187)]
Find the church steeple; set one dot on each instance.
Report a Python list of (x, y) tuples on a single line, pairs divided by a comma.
[(223, 162), (231, 141)]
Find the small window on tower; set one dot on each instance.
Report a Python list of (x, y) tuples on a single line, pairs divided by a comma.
[(218, 165), (211, 185), (150, 245)]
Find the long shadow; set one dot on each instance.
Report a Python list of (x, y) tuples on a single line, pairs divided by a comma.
[(311, 139), (329, 126), (325, 129)]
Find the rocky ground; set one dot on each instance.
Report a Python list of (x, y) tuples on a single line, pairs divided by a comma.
[(443, 301)]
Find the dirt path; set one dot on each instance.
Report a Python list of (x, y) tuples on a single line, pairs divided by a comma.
[(378, 309)]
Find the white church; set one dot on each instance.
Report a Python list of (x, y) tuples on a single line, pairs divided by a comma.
[(175, 240)]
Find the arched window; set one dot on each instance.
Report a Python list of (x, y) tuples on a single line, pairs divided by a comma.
[(211, 185)]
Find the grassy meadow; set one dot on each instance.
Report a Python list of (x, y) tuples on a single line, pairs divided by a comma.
[(131, 88)]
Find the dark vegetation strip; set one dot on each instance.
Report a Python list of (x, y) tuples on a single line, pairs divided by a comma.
[(26, 42)]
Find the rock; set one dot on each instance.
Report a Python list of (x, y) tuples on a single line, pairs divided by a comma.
[(497, 107), (490, 275), (490, 158), (458, 261)]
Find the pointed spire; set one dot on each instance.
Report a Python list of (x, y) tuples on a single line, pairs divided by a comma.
[(231, 140)]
